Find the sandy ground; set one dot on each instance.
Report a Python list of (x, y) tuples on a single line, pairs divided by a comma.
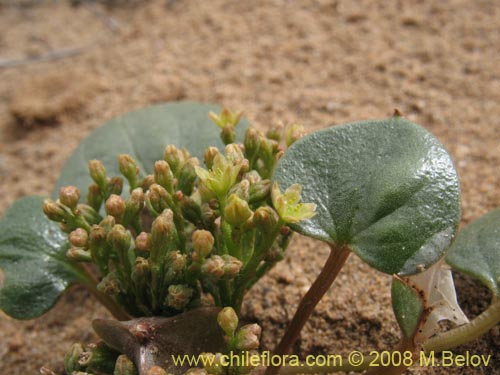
[(64, 70)]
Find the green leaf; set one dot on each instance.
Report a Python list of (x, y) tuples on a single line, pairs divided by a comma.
[(32, 257), (387, 188), (476, 250), (408, 307), (144, 134)]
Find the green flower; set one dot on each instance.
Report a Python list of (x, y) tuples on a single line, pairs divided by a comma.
[(226, 117), (221, 176), (287, 204)]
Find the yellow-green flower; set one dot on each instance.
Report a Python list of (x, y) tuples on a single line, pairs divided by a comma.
[(287, 204), (221, 176), (226, 117)]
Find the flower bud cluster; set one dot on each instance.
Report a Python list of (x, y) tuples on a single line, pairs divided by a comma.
[(187, 233), (239, 340), (96, 359)]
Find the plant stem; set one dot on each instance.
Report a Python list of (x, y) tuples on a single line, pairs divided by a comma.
[(465, 333), (115, 309), (90, 282), (336, 259)]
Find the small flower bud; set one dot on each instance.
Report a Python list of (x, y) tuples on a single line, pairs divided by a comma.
[(259, 191), (251, 142), (154, 198), (53, 210), (210, 154), (208, 215), (79, 238), (142, 269), (248, 337), (274, 254), (207, 300), (90, 215), (285, 231), (266, 148), (65, 228), (143, 241), (119, 238), (129, 169), (233, 153), (293, 133), (179, 296), (107, 223), (279, 155), (147, 182), (162, 228), (213, 266), (228, 320), (115, 185), (156, 370), (176, 264), (241, 189), (115, 206), (228, 134), (253, 177), (137, 196), (94, 197), (275, 132), (135, 203), (213, 363), (265, 219), (178, 195), (97, 172), (69, 196), (176, 260), (203, 242), (232, 266), (164, 176), (244, 167), (97, 236), (236, 211), (185, 154), (98, 358), (187, 176), (71, 359), (124, 366), (109, 285), (174, 158), (191, 210)]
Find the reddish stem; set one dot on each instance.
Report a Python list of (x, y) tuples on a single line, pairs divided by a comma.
[(336, 259)]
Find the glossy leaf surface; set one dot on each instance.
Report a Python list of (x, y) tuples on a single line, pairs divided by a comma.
[(476, 250), (407, 306), (33, 259), (387, 188)]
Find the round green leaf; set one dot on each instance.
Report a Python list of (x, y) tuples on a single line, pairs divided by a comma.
[(387, 188), (33, 259), (408, 307), (476, 250), (144, 134)]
